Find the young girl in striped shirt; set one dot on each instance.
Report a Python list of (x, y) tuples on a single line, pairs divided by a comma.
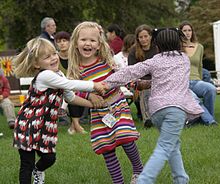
[(90, 59)]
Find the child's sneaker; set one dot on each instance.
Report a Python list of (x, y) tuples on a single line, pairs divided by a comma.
[(38, 177), (134, 179), (71, 131), (11, 124)]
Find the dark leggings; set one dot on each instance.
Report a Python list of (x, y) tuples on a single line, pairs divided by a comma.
[(27, 164)]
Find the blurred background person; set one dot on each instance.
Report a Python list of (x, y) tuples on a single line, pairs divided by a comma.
[(202, 89), (62, 40), (5, 103), (115, 36), (143, 49), (48, 28), (121, 61)]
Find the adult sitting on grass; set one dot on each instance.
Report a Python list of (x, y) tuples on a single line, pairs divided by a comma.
[(205, 90), (5, 103)]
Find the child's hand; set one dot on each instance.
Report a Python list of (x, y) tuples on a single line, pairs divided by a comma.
[(96, 100), (132, 84), (143, 84), (101, 87)]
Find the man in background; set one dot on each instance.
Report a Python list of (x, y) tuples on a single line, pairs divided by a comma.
[(48, 28)]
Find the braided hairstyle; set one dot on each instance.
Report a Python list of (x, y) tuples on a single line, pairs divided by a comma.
[(168, 40)]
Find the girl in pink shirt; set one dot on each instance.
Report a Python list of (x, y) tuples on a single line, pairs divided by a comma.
[(170, 104)]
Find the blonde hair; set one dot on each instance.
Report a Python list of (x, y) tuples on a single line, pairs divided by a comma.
[(32, 53), (104, 53)]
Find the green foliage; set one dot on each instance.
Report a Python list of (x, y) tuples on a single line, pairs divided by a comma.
[(77, 163), (202, 14), (22, 17)]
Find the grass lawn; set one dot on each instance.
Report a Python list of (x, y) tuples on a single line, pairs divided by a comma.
[(78, 164)]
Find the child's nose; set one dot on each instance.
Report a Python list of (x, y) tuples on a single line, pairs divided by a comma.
[(88, 42)]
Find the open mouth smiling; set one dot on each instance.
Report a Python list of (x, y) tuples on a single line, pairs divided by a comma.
[(87, 49), (54, 63)]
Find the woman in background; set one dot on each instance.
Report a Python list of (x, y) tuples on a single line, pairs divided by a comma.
[(202, 89), (142, 50)]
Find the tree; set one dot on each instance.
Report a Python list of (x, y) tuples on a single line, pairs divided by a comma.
[(22, 17), (202, 14)]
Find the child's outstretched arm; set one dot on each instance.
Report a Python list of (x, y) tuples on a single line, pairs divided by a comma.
[(81, 102), (100, 87), (129, 73), (48, 78), (103, 87)]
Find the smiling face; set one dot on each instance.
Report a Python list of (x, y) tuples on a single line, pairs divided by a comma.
[(187, 30), (88, 43), (144, 39), (48, 59)]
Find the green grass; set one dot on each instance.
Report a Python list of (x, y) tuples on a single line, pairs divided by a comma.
[(78, 164)]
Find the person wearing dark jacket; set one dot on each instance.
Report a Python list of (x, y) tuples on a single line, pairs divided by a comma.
[(48, 28), (143, 49)]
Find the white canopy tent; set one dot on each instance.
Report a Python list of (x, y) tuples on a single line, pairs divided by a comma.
[(216, 33)]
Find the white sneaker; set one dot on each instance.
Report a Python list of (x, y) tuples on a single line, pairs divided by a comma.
[(1, 134), (39, 177), (71, 132), (134, 179)]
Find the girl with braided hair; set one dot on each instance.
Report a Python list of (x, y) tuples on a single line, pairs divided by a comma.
[(170, 103)]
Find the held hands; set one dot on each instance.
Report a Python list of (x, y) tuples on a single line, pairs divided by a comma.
[(96, 100), (101, 87)]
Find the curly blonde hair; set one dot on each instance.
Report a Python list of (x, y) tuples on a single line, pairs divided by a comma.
[(104, 53)]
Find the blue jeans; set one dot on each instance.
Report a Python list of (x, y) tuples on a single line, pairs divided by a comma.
[(170, 122), (206, 117), (204, 90)]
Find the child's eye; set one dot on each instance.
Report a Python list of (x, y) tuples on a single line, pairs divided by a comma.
[(55, 53), (49, 55), (46, 57)]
